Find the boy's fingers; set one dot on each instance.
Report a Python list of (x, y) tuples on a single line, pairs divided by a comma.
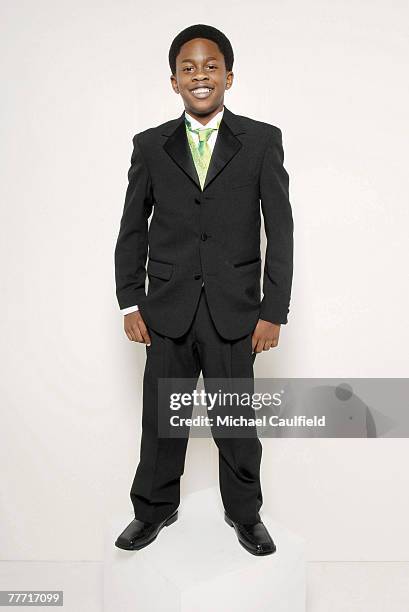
[(144, 331), (129, 332), (138, 334), (259, 346)]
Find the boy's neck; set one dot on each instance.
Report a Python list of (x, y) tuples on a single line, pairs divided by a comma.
[(204, 119)]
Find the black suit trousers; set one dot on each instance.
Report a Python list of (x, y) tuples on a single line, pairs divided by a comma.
[(155, 491)]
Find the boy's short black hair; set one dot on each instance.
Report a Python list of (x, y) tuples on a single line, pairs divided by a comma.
[(201, 31)]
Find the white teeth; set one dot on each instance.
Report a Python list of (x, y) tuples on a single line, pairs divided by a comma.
[(201, 90)]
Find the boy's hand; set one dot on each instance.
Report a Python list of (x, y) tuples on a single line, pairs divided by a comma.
[(135, 328), (265, 336)]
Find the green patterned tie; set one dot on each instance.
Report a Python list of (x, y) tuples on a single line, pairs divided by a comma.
[(201, 154)]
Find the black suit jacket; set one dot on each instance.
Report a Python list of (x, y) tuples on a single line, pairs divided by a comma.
[(210, 236)]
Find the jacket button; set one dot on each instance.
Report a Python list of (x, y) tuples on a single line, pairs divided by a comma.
[(197, 201), (203, 236), (197, 276)]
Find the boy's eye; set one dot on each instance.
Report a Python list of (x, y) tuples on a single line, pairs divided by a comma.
[(191, 67)]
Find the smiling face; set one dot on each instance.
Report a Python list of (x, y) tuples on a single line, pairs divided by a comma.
[(201, 78)]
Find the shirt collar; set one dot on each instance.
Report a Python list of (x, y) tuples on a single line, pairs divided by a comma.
[(196, 125)]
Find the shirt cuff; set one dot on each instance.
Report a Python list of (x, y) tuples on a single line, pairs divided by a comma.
[(128, 310)]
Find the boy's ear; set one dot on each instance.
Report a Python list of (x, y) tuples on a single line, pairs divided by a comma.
[(174, 83)]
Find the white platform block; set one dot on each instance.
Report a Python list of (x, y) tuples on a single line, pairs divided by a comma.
[(197, 565)]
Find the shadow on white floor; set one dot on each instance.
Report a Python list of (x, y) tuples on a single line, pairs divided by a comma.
[(197, 565)]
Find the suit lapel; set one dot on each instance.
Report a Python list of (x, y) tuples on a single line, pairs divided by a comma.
[(226, 146)]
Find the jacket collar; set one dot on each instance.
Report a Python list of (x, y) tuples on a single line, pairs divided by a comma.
[(226, 146)]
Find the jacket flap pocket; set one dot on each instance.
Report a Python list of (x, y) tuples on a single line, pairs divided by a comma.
[(247, 262), (160, 269)]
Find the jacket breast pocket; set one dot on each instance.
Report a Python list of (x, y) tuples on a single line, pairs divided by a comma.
[(159, 269)]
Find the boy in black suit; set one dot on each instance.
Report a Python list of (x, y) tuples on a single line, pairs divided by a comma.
[(203, 175)]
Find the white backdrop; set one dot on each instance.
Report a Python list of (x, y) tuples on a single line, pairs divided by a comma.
[(79, 79)]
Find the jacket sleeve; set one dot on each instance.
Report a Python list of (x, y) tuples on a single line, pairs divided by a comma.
[(132, 243), (278, 224)]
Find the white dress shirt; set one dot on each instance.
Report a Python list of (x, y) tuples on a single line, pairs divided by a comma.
[(195, 125)]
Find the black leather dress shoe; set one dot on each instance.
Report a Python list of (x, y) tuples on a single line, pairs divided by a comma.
[(139, 534), (254, 538)]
